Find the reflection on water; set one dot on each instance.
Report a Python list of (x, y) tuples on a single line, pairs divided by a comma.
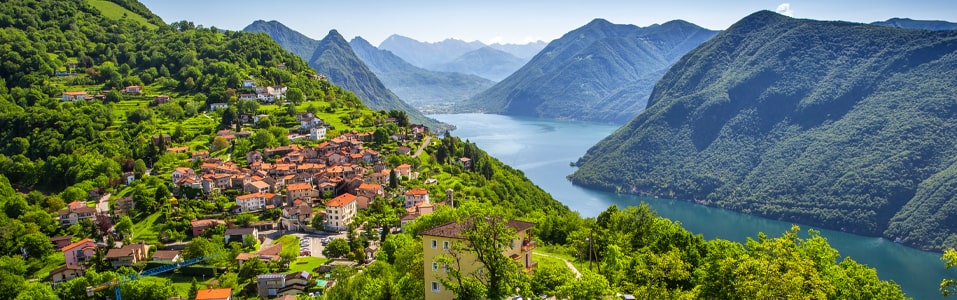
[(543, 150)]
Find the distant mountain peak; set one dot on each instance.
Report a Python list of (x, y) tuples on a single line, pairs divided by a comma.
[(917, 24)]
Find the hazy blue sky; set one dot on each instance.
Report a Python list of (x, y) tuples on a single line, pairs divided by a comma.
[(518, 21)]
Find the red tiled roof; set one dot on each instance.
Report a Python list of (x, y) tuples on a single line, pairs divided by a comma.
[(299, 186), (341, 200), (77, 244), (417, 192), (214, 294)]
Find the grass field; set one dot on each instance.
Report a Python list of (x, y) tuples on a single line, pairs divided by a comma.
[(115, 11), (306, 263), (145, 230)]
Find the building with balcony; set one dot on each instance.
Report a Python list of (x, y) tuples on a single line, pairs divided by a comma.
[(441, 239)]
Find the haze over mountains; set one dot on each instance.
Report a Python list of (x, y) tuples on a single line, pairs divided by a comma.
[(917, 24), (493, 62), (599, 72), (419, 87), (843, 125)]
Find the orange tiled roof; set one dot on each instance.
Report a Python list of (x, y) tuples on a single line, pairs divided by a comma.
[(341, 200)]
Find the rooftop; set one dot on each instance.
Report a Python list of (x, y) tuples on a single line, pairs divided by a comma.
[(454, 229)]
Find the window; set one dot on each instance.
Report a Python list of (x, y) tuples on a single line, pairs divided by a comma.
[(435, 266), (434, 244), (435, 287), (445, 245), (446, 267)]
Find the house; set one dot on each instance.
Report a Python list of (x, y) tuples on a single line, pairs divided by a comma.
[(75, 211), (403, 150), (167, 255), (414, 196), (215, 106), (253, 157), (302, 190), (199, 226), (295, 217), (272, 285), (182, 172), (124, 205), (317, 133), (61, 241), (249, 83), (419, 209), (240, 234), (441, 239), (465, 162), (127, 255), (161, 99), (65, 273), (370, 190), (339, 212), (256, 201), (404, 170), (79, 252), (215, 294), (266, 254), (72, 96), (256, 187), (133, 89), (199, 155)]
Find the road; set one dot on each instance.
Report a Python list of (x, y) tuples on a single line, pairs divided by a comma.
[(428, 138), (568, 264)]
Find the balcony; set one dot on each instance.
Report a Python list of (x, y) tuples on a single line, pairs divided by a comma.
[(531, 267), (528, 245)]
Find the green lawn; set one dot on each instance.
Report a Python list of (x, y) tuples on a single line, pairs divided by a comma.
[(47, 264), (288, 240), (181, 283), (115, 11), (306, 263)]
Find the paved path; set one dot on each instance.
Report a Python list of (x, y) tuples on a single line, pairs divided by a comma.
[(428, 138), (103, 205), (568, 264)]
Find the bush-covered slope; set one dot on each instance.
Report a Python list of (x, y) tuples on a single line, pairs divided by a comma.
[(418, 86), (843, 125), (599, 72)]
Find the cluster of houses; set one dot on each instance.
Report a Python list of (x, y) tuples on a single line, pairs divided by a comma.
[(300, 178), (268, 94), (81, 95)]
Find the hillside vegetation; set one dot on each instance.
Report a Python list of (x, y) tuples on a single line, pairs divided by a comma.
[(842, 125)]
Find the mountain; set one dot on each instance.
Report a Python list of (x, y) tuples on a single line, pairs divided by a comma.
[(841, 125), (486, 62), (418, 86), (598, 72), (291, 40), (917, 24), (523, 51), (426, 55), (334, 58)]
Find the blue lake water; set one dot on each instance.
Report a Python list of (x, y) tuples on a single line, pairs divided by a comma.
[(543, 150)]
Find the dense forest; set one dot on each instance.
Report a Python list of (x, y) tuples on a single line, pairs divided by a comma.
[(843, 125), (57, 152)]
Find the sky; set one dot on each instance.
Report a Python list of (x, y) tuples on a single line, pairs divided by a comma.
[(518, 21)]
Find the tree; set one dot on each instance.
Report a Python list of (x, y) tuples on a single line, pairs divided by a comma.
[(139, 167), (252, 268), (547, 279), (37, 291), (219, 143), (949, 285), (36, 245), (393, 179), (295, 96), (485, 239), (200, 247), (193, 290), (590, 286), (124, 226), (336, 248)]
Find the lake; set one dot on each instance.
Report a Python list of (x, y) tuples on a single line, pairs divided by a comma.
[(543, 150)]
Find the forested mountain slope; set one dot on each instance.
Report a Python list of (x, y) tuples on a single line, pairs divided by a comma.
[(843, 125), (291, 40), (486, 62), (598, 72), (334, 58), (418, 86)]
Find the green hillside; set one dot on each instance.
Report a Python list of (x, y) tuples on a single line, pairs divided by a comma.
[(841, 125), (115, 12)]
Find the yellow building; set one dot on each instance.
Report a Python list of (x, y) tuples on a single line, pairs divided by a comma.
[(439, 240)]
